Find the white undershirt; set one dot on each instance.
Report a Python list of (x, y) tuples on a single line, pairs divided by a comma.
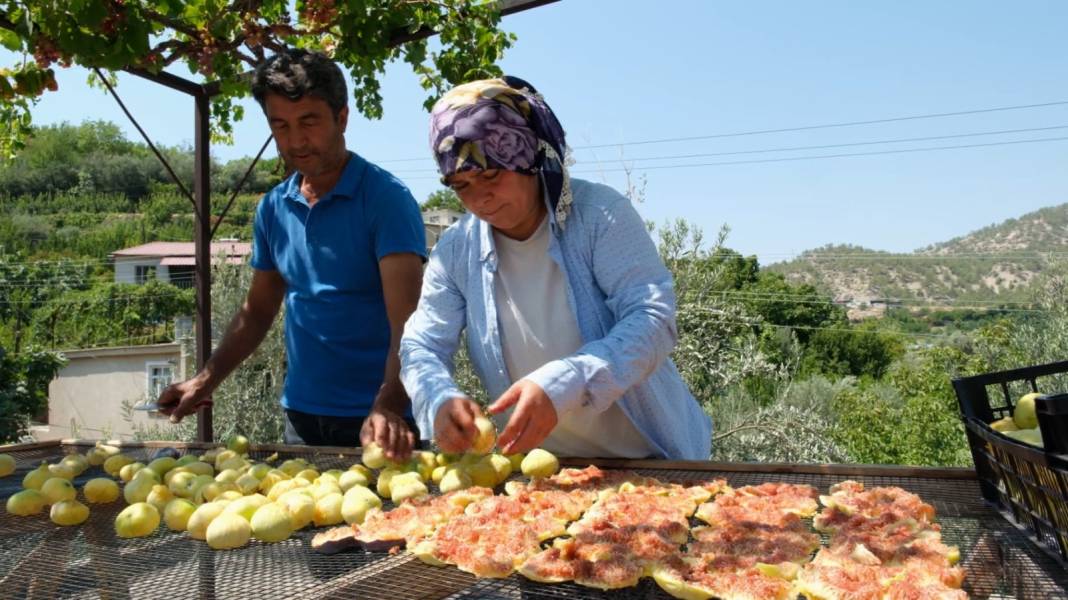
[(538, 326)]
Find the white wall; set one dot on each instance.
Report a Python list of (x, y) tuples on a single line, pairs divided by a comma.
[(87, 396), (126, 268)]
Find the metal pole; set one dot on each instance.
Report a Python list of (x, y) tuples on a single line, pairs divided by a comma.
[(202, 245)]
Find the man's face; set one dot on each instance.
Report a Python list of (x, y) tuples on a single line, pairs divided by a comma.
[(308, 135)]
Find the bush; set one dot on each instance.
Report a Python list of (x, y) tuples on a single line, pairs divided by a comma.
[(24, 383)]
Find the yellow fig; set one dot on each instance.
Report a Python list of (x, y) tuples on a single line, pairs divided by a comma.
[(127, 472), (454, 479), (58, 489), (328, 510), (271, 523), (238, 444), (100, 490), (487, 435), (114, 464), (301, 508), (247, 506), (228, 531), (69, 512), (540, 463), (36, 478), (137, 520), (177, 513), (27, 502), (198, 522), (373, 456)]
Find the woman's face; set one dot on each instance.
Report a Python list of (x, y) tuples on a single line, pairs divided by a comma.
[(508, 201)]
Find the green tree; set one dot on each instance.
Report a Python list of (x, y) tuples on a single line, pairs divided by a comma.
[(24, 380), (912, 416), (220, 40), (859, 350), (111, 313), (444, 198)]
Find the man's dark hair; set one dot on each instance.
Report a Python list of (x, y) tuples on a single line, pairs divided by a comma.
[(296, 73)]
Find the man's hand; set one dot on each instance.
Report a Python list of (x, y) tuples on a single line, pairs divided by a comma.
[(183, 398), (532, 421), (387, 429), (454, 425)]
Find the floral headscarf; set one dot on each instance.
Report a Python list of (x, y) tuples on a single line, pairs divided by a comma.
[(502, 124)]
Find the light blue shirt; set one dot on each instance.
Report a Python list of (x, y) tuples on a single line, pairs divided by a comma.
[(624, 302)]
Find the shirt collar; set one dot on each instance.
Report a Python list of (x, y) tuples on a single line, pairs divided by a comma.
[(344, 188)]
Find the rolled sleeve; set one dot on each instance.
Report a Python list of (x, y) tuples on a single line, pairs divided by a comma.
[(563, 385)]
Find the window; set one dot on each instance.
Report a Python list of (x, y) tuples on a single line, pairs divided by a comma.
[(434, 219), (159, 376), (144, 273), (183, 327), (182, 276)]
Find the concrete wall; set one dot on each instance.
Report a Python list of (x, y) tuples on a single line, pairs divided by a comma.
[(87, 396)]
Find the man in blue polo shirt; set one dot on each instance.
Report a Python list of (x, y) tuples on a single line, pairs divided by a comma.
[(342, 242)]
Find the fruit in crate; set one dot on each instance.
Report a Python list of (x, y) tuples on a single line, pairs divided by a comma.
[(1024, 414), (1004, 424), (1027, 436)]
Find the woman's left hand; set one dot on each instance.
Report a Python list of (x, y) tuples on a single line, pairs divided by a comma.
[(532, 421)]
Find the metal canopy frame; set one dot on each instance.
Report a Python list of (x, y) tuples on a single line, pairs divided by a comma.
[(201, 196)]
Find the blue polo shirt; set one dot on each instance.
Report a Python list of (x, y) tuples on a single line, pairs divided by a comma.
[(337, 330)]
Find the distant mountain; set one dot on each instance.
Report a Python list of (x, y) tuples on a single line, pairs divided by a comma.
[(992, 265)]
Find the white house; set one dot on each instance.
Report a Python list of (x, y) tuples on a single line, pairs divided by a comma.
[(172, 262), (92, 395), (436, 222)]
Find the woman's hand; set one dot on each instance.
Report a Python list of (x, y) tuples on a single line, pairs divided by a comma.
[(454, 425), (532, 421)]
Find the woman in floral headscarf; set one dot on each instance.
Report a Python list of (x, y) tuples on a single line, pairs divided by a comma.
[(569, 312)]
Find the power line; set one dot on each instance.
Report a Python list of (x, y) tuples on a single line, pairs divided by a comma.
[(721, 318), (800, 158), (788, 129), (796, 148), (101, 300), (917, 302), (825, 125), (822, 156)]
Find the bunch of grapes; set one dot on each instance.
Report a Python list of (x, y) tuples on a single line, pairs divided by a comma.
[(115, 19), (45, 52), (319, 12)]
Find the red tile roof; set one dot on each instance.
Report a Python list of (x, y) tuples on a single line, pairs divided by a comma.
[(175, 249)]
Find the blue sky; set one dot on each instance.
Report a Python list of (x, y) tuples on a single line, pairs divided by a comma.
[(623, 71)]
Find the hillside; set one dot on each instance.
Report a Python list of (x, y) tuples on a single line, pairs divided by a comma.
[(993, 265)]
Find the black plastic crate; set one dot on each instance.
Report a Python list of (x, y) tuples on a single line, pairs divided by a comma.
[(1027, 484), (1053, 421)]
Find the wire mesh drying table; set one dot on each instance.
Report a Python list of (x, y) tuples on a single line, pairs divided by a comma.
[(41, 560)]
